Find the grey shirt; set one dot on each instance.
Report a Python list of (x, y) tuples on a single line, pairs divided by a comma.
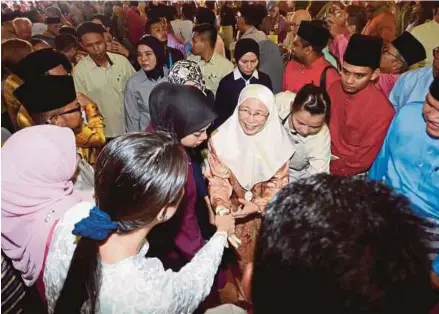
[(138, 89)]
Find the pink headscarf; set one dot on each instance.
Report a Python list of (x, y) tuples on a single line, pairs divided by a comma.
[(37, 166)]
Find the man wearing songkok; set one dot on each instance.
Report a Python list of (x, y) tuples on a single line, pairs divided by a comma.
[(102, 76), (409, 159), (413, 85), (42, 62), (396, 58), (52, 99), (53, 27), (48, 62), (360, 113), (308, 64)]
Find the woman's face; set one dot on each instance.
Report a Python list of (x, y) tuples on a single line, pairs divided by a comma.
[(195, 139), (305, 123), (248, 63), (252, 114), (146, 58)]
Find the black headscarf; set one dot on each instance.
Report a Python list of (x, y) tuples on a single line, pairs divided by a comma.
[(179, 109), (244, 46), (160, 56)]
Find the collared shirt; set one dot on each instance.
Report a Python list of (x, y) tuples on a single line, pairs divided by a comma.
[(312, 155), (298, 75), (105, 86), (428, 35), (358, 125), (409, 161), (411, 86), (237, 75), (139, 87), (213, 70)]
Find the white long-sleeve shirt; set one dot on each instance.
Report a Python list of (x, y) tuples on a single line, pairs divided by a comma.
[(136, 284)]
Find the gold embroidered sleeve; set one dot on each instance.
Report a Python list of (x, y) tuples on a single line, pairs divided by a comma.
[(278, 181), (92, 133)]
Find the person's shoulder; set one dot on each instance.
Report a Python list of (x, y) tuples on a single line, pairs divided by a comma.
[(410, 111), (421, 28), (335, 87), (118, 58), (81, 66), (263, 76)]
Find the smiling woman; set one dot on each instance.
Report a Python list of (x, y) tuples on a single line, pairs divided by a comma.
[(248, 163)]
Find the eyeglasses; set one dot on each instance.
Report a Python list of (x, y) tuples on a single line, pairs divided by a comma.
[(76, 109), (246, 113), (387, 51)]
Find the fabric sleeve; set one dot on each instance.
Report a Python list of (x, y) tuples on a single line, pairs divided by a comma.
[(285, 78), (132, 113), (193, 282), (364, 155), (331, 76), (338, 47), (387, 27), (221, 102), (79, 84), (320, 156), (380, 166), (278, 181), (92, 133), (397, 92), (220, 189), (267, 82), (188, 239)]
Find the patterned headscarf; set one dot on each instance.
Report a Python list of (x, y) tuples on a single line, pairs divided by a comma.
[(187, 71)]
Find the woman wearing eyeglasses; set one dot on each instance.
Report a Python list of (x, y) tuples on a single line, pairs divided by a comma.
[(248, 163)]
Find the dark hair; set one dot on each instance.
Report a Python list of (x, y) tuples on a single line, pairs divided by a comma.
[(32, 15), (205, 16), (36, 41), (357, 15), (12, 52), (316, 48), (151, 22), (252, 15), (207, 30), (313, 99), (89, 27), (188, 12), (68, 30), (105, 19), (332, 244), (136, 175), (134, 3), (65, 42)]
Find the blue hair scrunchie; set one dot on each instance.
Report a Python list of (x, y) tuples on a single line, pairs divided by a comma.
[(97, 226), (435, 265)]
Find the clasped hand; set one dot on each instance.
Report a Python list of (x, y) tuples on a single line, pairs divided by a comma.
[(247, 209)]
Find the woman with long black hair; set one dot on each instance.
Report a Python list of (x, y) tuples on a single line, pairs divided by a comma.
[(139, 183)]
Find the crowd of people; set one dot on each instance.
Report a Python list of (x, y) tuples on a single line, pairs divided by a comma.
[(220, 157)]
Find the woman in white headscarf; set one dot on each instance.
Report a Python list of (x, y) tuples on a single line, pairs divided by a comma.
[(248, 163)]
